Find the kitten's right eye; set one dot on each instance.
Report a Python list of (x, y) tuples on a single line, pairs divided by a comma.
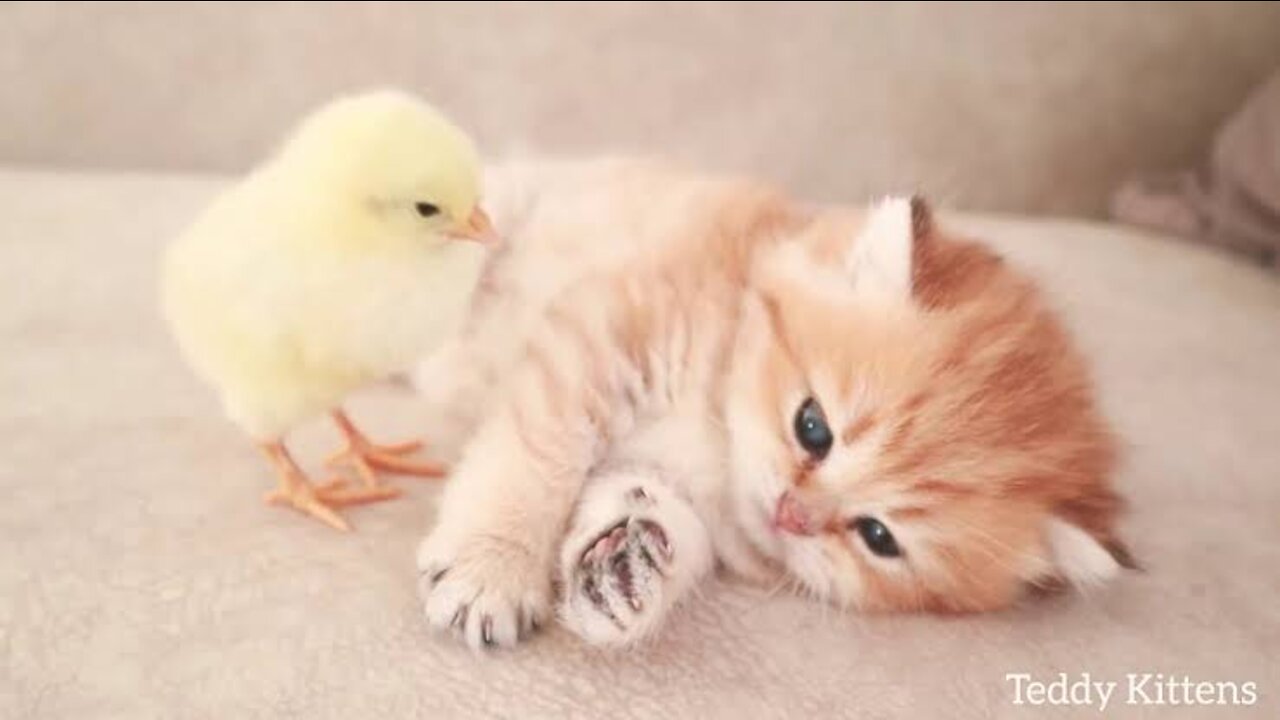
[(812, 432), (877, 537)]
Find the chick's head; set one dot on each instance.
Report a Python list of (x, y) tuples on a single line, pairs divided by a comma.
[(390, 162)]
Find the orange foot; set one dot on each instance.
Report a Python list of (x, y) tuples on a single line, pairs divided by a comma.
[(367, 457), (296, 491)]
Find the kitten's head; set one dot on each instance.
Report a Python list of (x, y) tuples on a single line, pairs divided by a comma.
[(912, 427)]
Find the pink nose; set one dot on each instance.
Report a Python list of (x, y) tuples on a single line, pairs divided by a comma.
[(791, 517)]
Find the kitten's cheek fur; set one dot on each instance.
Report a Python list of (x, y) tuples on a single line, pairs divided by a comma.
[(756, 484)]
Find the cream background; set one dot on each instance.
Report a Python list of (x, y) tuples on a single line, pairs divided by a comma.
[(140, 576), (1035, 107)]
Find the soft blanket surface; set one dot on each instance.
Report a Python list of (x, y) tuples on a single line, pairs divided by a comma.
[(141, 576)]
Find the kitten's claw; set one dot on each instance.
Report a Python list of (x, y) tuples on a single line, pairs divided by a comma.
[(486, 630), (459, 620), (618, 581), (590, 589), (634, 549), (489, 594), (429, 577)]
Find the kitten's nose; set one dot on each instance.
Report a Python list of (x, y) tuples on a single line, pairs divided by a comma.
[(790, 516)]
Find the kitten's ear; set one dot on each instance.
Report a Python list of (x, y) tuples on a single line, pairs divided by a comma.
[(880, 262), (1083, 560), (921, 218)]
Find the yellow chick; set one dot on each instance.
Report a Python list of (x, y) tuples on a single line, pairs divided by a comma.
[(337, 262)]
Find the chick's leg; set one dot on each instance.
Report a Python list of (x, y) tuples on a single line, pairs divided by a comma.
[(367, 457), (296, 491)]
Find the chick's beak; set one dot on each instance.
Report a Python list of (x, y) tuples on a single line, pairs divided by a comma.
[(477, 228)]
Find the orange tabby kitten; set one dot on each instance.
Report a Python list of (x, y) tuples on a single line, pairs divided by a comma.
[(669, 371)]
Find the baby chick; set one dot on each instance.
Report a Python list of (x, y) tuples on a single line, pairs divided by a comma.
[(336, 263)]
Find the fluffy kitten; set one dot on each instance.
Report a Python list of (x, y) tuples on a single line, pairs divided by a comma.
[(670, 371)]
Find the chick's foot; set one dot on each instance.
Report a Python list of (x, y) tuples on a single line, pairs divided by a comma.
[(367, 457), (339, 493), (297, 492)]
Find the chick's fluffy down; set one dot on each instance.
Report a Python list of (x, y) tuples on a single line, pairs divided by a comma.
[(284, 326)]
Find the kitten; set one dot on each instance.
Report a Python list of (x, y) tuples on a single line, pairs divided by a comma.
[(669, 372)]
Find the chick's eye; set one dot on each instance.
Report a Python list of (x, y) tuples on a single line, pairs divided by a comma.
[(426, 210), (811, 429), (877, 537)]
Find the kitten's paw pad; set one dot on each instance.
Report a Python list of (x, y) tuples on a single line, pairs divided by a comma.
[(487, 593), (613, 594)]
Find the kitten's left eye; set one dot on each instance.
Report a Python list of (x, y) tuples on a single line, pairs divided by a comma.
[(810, 427), (426, 209), (877, 537)]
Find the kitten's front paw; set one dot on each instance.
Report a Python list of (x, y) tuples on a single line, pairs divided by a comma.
[(614, 591), (487, 590)]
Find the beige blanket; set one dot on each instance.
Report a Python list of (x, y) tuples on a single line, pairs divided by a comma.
[(142, 577)]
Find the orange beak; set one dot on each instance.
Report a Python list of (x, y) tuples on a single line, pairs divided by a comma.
[(477, 229)]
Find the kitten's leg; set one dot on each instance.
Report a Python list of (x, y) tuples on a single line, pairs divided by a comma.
[(486, 568), (634, 549)]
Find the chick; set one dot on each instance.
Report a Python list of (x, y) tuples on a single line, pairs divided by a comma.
[(341, 259)]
